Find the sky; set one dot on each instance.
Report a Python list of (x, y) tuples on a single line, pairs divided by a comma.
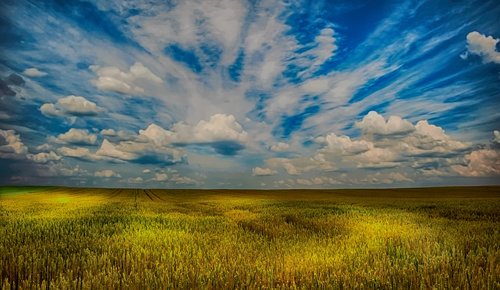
[(249, 94)]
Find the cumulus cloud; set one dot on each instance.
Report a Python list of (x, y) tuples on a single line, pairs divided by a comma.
[(117, 135), (480, 163), (374, 123), (71, 106), (78, 153), (363, 153), (11, 145), (402, 145), (44, 157), (43, 147), (76, 136), (220, 127), (106, 173), (137, 149), (483, 46), (34, 72), (160, 177), (291, 166), (157, 135), (108, 132), (179, 179), (279, 147), (109, 150), (221, 131), (134, 180), (386, 178), (377, 158), (141, 152), (60, 170), (316, 181), (303, 181), (259, 171), (429, 139), (496, 137), (343, 144), (125, 82)]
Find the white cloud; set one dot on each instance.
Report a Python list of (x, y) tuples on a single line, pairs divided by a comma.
[(178, 179), (377, 158), (484, 46), (402, 144), (315, 181), (258, 171), (146, 171), (279, 147), (496, 136), (11, 145), (431, 139), (299, 165), (50, 110), (303, 181), (484, 162), (316, 85), (140, 152), (76, 136), (157, 135), (325, 45), (374, 123), (106, 173), (34, 72), (43, 147), (59, 170), (219, 127), (160, 177), (109, 150), (108, 132), (291, 169), (134, 180), (386, 178), (117, 135), (44, 157), (71, 105), (160, 25), (343, 144), (289, 165), (125, 82), (79, 152)]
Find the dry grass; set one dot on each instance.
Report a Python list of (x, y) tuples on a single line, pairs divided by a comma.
[(131, 239)]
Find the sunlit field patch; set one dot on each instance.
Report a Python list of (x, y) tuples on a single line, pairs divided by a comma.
[(112, 238)]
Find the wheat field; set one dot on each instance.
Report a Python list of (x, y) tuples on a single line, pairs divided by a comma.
[(84, 238)]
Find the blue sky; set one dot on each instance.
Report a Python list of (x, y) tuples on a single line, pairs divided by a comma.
[(250, 94)]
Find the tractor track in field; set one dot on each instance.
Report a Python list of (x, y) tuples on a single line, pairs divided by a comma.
[(147, 194), (151, 193), (115, 193)]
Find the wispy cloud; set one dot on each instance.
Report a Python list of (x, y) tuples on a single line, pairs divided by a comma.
[(234, 92)]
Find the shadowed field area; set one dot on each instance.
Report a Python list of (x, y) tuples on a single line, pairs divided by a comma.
[(147, 238)]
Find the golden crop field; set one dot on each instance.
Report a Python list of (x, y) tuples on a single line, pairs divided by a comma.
[(73, 238)]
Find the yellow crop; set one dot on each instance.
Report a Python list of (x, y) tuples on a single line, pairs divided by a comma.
[(63, 238)]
